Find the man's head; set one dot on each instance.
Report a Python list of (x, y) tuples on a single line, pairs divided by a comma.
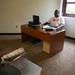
[(56, 13)]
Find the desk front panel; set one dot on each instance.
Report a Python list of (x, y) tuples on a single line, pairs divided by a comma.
[(37, 33)]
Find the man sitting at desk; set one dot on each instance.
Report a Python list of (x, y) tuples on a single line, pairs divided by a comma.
[(56, 21)]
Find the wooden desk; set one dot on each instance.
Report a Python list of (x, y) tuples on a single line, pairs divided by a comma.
[(52, 41)]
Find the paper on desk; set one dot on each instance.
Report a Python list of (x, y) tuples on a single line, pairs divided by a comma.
[(49, 27)]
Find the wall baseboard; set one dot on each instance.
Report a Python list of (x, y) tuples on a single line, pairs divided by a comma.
[(20, 34), (10, 33), (69, 37)]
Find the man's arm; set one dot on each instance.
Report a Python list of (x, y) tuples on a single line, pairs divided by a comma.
[(46, 23)]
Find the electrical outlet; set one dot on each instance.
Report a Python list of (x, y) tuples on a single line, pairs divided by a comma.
[(16, 26)]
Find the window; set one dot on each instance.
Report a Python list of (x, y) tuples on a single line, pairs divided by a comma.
[(69, 8)]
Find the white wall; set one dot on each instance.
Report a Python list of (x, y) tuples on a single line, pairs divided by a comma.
[(70, 26), (17, 12), (69, 23)]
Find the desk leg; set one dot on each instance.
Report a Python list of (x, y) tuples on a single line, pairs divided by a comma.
[(55, 45), (46, 47), (25, 37), (52, 48)]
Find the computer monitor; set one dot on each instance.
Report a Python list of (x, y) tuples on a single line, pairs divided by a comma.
[(36, 20)]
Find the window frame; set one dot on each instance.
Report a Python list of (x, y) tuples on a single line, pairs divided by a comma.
[(64, 9)]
